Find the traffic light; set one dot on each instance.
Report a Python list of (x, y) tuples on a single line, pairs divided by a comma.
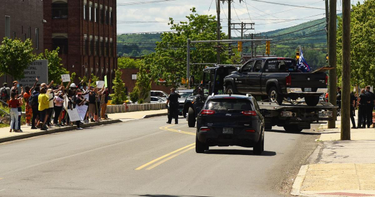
[(297, 55), (327, 58), (240, 46), (268, 47)]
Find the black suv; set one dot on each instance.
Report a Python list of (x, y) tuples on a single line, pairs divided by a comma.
[(228, 120)]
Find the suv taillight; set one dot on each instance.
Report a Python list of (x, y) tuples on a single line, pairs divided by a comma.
[(288, 81), (249, 113), (207, 112)]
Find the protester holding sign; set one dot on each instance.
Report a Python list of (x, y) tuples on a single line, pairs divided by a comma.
[(43, 101)]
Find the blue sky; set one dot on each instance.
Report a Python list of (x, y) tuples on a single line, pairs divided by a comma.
[(152, 15)]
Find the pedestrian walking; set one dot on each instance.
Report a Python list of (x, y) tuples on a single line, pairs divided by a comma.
[(353, 103), (14, 103), (362, 101), (34, 103), (43, 107), (5, 93), (58, 101), (369, 106), (172, 100)]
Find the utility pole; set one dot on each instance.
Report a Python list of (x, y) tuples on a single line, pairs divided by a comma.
[(345, 97), (327, 22), (332, 61), (218, 30), (229, 22), (243, 27), (252, 45)]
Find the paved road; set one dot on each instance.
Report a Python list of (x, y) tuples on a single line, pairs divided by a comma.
[(148, 158)]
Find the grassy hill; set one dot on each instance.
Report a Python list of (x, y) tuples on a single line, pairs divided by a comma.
[(311, 36)]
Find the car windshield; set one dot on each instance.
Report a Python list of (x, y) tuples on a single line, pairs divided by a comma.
[(229, 104), (185, 94)]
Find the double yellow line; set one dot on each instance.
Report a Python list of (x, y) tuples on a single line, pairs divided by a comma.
[(158, 161)]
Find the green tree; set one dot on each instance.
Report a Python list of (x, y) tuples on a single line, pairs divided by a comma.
[(143, 83), (169, 60), (126, 62), (55, 68), (362, 33), (15, 57), (119, 95), (134, 95)]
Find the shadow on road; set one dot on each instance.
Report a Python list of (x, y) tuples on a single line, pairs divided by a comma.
[(298, 133), (239, 152), (162, 195)]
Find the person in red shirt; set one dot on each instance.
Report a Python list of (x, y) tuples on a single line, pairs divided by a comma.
[(14, 104)]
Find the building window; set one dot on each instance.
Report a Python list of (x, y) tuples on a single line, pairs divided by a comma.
[(62, 43), (90, 14), (91, 45), (97, 46), (100, 46), (110, 16), (84, 10), (7, 26), (102, 42), (111, 47), (95, 14), (102, 14), (134, 77), (106, 47), (106, 15), (85, 43), (59, 10), (37, 38)]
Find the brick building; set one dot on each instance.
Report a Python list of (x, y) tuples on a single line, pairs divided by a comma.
[(22, 19), (85, 32)]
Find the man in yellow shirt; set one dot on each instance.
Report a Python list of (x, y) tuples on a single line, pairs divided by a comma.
[(43, 100)]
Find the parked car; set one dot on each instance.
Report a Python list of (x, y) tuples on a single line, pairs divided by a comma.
[(185, 94), (158, 93), (156, 99), (228, 120)]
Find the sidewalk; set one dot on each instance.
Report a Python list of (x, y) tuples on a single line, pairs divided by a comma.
[(339, 168), (6, 136)]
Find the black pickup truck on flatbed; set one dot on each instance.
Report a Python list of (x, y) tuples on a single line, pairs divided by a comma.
[(276, 78)]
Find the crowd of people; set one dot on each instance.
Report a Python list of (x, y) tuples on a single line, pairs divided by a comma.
[(47, 105), (364, 102)]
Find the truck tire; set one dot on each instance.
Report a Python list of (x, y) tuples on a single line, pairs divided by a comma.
[(312, 100), (199, 146), (259, 146), (229, 89), (292, 128), (191, 117), (274, 95)]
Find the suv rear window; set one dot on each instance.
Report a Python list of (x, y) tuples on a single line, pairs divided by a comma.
[(281, 65), (229, 104)]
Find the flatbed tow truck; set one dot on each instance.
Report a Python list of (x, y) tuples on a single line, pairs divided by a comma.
[(292, 115)]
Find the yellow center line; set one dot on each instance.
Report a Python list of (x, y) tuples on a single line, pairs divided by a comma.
[(164, 156), (169, 158), (166, 128)]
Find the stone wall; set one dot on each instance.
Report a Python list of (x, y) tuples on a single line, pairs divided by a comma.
[(135, 107)]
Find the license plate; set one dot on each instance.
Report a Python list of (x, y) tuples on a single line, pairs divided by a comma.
[(227, 130), (307, 89)]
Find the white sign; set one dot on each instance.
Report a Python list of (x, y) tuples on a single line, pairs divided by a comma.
[(37, 69), (73, 115), (82, 111), (65, 78), (100, 84)]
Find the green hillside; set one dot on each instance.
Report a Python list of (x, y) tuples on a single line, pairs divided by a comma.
[(311, 36)]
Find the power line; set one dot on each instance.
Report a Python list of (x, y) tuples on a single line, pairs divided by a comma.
[(142, 2), (248, 11), (305, 36), (303, 28), (290, 5)]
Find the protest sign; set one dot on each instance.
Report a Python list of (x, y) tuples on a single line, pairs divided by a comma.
[(99, 84), (65, 78), (73, 115)]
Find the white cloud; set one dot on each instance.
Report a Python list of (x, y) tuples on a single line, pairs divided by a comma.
[(264, 15)]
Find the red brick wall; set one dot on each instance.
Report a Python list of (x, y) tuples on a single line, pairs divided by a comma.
[(75, 26)]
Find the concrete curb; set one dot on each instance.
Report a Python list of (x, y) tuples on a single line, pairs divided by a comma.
[(56, 130), (155, 115), (296, 189)]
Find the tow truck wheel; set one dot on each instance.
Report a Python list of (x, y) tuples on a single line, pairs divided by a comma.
[(292, 128), (312, 100), (191, 117), (274, 96)]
